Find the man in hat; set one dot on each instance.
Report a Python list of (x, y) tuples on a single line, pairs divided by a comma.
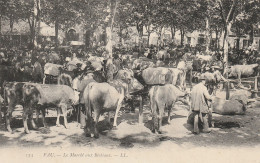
[(199, 107)]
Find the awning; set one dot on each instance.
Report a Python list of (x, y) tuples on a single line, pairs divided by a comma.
[(75, 43)]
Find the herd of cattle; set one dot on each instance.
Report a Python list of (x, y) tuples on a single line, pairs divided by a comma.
[(103, 85)]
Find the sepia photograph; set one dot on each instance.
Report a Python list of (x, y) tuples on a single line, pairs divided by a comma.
[(130, 81)]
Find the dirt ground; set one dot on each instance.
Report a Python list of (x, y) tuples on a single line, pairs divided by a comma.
[(228, 132)]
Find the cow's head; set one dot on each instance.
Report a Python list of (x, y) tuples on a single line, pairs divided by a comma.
[(133, 83), (228, 72)]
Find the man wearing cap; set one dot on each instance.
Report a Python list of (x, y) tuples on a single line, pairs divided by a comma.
[(199, 106)]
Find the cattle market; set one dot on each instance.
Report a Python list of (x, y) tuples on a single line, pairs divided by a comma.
[(122, 80)]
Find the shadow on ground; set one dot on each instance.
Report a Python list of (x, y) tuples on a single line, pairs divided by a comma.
[(228, 131)]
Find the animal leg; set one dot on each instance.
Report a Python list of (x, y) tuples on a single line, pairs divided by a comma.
[(58, 117), (43, 118), (44, 79), (64, 111), (82, 117), (160, 120), (141, 110), (169, 115), (32, 121), (25, 117), (116, 114), (120, 100), (109, 120), (37, 111), (8, 118), (96, 117)]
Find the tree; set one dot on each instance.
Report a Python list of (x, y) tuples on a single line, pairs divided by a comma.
[(3, 7), (62, 14), (227, 9), (247, 18)]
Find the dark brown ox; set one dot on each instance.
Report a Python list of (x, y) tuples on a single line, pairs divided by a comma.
[(40, 96), (163, 99), (13, 95)]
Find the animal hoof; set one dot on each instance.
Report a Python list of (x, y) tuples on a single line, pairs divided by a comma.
[(27, 131), (57, 125), (96, 136), (88, 135), (67, 127), (114, 128), (35, 128)]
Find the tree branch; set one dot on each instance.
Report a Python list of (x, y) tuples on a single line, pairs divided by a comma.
[(222, 13), (231, 10)]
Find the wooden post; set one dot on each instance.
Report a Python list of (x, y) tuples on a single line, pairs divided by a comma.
[(227, 90), (254, 92)]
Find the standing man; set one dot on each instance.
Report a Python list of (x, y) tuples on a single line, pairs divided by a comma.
[(199, 107)]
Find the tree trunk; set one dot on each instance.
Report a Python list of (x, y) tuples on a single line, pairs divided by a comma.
[(159, 38), (173, 30), (217, 40), (109, 46), (207, 35), (225, 43), (182, 37), (148, 38), (251, 35), (32, 30), (0, 30), (37, 22), (120, 36), (11, 23), (56, 33), (140, 36)]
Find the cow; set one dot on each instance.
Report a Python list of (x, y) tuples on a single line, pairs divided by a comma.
[(163, 98), (105, 97), (79, 84), (163, 55), (142, 63), (212, 80), (64, 79), (236, 105), (134, 88), (100, 98), (242, 70), (47, 95), (13, 95), (51, 71)]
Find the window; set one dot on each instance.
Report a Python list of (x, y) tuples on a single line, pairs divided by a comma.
[(245, 43), (189, 40)]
